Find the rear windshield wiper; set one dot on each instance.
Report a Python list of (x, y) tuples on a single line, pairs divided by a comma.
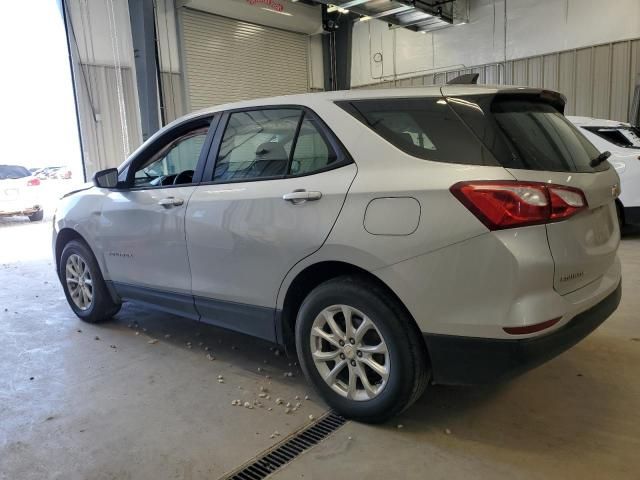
[(600, 158)]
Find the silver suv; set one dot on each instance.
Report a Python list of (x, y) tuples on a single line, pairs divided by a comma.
[(452, 235)]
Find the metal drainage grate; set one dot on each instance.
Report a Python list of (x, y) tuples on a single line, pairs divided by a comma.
[(283, 453)]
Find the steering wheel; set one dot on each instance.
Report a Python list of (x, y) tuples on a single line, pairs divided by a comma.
[(183, 177), (167, 180)]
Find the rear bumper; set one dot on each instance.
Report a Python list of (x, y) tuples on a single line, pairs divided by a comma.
[(460, 360)]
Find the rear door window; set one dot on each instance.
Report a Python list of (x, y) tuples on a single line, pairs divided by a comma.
[(257, 144), (426, 128)]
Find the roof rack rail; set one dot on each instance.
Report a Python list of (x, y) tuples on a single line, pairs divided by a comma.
[(466, 79)]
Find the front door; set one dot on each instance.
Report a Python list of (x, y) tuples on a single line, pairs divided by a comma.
[(142, 225), (277, 188)]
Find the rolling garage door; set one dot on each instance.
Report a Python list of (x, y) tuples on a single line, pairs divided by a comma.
[(229, 60)]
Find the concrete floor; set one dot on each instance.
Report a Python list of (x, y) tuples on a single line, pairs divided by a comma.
[(101, 402)]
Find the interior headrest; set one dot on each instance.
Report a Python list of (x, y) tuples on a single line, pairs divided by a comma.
[(271, 151)]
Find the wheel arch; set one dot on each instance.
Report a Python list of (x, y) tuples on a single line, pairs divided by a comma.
[(66, 235), (308, 279)]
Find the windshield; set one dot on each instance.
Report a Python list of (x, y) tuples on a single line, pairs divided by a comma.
[(13, 171), (622, 136), (526, 132)]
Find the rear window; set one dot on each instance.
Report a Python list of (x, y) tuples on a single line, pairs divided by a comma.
[(426, 128), (525, 131), (13, 171), (627, 137)]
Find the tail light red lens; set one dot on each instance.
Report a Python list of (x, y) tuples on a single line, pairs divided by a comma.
[(532, 328), (509, 204), (32, 182)]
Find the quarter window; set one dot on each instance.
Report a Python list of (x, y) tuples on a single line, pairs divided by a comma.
[(311, 152), (423, 127)]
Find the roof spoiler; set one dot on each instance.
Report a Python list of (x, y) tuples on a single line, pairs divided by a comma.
[(466, 79)]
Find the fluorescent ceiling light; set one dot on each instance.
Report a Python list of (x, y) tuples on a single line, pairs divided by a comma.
[(393, 11), (365, 18), (353, 3), (334, 8)]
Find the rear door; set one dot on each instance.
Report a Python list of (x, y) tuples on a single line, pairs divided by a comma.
[(531, 138), (276, 189)]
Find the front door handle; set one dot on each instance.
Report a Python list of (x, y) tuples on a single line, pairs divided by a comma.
[(301, 196), (169, 202)]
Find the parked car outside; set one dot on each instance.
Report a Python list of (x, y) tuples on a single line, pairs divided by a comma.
[(19, 193), (391, 239), (47, 173), (61, 173), (623, 141)]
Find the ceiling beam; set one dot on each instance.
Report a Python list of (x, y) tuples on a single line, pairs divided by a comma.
[(352, 3), (393, 11)]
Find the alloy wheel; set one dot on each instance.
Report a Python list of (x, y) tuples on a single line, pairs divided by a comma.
[(350, 353), (79, 282)]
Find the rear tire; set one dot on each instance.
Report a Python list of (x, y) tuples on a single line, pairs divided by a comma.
[(83, 284), (390, 347), (37, 216)]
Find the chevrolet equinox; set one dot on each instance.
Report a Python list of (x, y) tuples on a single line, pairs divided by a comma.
[(450, 234)]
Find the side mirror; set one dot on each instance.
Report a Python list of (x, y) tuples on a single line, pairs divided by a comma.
[(106, 178)]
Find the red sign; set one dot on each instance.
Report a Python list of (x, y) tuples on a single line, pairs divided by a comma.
[(270, 4)]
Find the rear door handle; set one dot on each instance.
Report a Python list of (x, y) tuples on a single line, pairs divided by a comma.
[(169, 202), (301, 196)]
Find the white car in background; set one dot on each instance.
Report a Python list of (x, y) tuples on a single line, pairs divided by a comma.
[(19, 193), (623, 141)]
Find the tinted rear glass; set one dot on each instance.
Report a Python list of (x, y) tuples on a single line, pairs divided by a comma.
[(426, 128), (524, 131), (13, 171)]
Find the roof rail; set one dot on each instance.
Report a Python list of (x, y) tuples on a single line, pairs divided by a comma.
[(466, 79)]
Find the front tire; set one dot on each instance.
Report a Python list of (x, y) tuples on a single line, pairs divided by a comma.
[(360, 349), (83, 285)]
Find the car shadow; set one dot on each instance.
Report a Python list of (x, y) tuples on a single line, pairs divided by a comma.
[(255, 356), (568, 401)]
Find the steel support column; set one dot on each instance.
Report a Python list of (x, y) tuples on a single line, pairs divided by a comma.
[(336, 51), (142, 18)]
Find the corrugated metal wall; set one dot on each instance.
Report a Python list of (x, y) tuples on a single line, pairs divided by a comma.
[(598, 81), (172, 96), (229, 60), (110, 131), (104, 79)]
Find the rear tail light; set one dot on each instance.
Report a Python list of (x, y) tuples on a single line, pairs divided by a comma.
[(32, 182), (508, 204)]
